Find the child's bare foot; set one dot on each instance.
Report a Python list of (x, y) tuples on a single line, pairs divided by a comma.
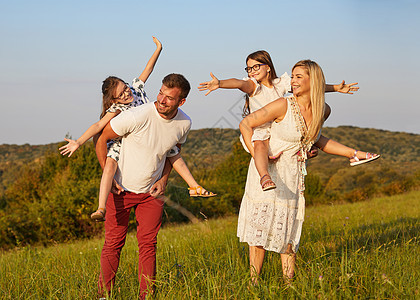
[(361, 157)]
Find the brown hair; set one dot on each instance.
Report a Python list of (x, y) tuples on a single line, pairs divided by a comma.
[(108, 87), (177, 81), (263, 57), (317, 93)]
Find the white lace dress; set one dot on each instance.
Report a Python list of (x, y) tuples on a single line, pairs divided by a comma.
[(270, 219)]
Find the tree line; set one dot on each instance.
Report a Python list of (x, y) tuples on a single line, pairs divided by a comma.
[(49, 198)]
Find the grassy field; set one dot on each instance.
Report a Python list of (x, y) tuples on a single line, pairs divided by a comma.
[(366, 250)]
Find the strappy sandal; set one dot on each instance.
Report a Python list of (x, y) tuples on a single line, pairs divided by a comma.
[(99, 215), (267, 184), (199, 191), (369, 157)]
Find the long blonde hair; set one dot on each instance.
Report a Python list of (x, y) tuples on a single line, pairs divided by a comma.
[(317, 93)]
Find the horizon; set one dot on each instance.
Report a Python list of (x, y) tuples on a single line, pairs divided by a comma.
[(57, 142), (54, 56)]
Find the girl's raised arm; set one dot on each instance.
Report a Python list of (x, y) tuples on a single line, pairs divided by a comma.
[(73, 145), (152, 61), (246, 86)]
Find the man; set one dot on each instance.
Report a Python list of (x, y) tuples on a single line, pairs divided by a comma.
[(150, 133)]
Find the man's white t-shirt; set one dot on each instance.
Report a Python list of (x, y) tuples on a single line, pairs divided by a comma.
[(147, 141)]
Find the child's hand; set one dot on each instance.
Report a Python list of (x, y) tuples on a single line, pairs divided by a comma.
[(69, 148), (157, 42), (211, 85), (274, 158), (347, 88)]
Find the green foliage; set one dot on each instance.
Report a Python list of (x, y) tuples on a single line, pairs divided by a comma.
[(227, 179), (46, 198), (313, 189), (51, 201)]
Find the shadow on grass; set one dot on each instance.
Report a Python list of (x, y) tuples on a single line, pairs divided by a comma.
[(375, 236)]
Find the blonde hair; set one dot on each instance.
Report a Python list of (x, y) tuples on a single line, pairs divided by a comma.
[(317, 94)]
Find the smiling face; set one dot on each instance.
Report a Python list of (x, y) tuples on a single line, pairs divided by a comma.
[(258, 70), (122, 93), (301, 82), (168, 101)]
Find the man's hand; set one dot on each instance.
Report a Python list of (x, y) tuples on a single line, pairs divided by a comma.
[(116, 188), (158, 188)]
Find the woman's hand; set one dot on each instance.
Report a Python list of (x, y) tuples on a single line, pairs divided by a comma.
[(211, 85), (69, 148), (346, 88)]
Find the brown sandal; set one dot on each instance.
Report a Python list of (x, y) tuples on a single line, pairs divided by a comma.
[(199, 191), (267, 184), (99, 215)]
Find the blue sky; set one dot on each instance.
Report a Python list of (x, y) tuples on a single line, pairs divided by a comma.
[(55, 54)]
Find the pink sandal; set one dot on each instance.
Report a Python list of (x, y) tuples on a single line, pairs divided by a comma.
[(358, 161), (267, 184)]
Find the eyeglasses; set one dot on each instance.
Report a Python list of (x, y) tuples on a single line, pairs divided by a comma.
[(124, 92), (254, 68)]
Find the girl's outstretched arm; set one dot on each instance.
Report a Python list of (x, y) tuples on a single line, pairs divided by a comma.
[(152, 61), (73, 145), (342, 88), (246, 86)]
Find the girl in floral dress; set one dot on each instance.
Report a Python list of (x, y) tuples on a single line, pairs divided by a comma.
[(119, 96)]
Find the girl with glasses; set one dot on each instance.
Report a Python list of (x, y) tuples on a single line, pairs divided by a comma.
[(118, 96), (261, 87)]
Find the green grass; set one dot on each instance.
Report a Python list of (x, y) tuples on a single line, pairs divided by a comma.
[(366, 250)]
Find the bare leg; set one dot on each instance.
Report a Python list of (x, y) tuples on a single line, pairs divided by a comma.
[(256, 259), (106, 183), (288, 260), (261, 163), (333, 147), (261, 157), (182, 169)]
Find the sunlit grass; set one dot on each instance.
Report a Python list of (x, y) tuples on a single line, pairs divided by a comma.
[(361, 250)]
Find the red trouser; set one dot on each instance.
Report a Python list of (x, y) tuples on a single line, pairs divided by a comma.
[(149, 218)]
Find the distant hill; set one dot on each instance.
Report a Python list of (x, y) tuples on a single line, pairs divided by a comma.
[(205, 148), (45, 197)]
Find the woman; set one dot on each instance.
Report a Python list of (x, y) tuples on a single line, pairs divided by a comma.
[(273, 220)]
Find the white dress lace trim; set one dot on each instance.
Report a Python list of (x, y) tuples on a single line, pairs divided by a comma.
[(269, 219)]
